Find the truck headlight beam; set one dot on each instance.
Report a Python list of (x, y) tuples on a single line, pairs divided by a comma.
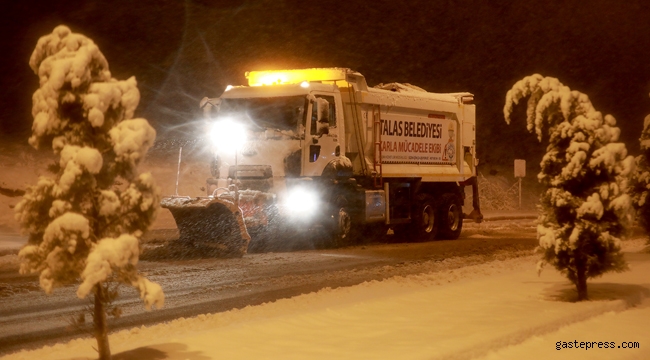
[(302, 202)]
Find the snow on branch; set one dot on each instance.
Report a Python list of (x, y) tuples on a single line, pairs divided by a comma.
[(150, 292), (645, 135), (131, 140), (74, 161), (64, 63), (641, 179), (117, 253), (115, 94), (54, 256), (105, 255)]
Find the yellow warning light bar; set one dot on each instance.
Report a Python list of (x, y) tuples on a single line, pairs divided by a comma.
[(279, 77)]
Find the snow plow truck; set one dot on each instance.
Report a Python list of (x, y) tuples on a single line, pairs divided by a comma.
[(318, 152)]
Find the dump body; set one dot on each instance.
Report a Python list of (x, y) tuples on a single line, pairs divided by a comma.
[(410, 133), (321, 151)]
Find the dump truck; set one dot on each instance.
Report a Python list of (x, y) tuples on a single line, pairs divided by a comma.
[(319, 152)]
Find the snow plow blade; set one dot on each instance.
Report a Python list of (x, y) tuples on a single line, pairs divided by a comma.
[(213, 223)]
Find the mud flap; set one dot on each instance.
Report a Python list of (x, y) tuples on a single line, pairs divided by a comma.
[(476, 212), (214, 224)]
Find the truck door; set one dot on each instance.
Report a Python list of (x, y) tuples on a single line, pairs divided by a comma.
[(321, 140)]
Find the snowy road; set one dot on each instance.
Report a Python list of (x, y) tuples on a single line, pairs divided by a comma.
[(12, 241), (29, 318)]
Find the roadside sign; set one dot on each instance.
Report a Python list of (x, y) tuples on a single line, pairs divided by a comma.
[(520, 168)]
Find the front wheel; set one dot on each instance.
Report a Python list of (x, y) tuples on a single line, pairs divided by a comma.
[(336, 230), (342, 228), (451, 217)]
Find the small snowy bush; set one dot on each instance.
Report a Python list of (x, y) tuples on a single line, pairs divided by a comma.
[(496, 194), (84, 224), (586, 208)]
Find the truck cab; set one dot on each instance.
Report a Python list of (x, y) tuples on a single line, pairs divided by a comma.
[(292, 129)]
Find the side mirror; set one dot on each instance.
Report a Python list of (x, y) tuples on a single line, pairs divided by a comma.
[(209, 106), (204, 102)]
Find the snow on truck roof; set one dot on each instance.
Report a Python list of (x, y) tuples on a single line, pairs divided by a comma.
[(342, 77), (404, 91)]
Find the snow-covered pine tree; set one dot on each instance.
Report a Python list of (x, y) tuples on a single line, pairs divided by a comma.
[(641, 179), (585, 209), (84, 224)]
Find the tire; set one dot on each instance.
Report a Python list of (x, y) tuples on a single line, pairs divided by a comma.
[(424, 226), (451, 217), (341, 228)]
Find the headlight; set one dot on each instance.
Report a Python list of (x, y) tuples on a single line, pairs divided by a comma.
[(228, 135), (301, 202)]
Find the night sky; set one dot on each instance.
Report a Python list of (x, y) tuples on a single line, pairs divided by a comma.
[(182, 51)]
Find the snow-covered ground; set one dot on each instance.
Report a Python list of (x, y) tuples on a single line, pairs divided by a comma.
[(495, 310)]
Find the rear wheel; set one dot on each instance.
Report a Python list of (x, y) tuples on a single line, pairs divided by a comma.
[(424, 226), (451, 217)]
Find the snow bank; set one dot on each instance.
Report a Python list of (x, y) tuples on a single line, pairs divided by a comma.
[(610, 327), (463, 313)]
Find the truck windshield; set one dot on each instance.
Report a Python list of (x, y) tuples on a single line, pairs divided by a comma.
[(284, 113)]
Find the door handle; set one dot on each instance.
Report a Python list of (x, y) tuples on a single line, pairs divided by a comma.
[(314, 152)]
